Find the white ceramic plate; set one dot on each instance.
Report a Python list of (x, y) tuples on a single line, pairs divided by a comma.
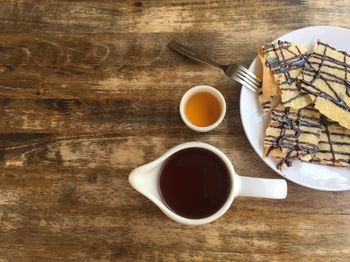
[(255, 123)]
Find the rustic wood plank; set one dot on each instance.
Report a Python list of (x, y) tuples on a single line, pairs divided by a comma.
[(103, 116), (77, 201), (114, 150), (92, 158), (67, 73), (89, 91)]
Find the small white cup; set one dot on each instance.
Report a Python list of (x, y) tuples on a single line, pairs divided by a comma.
[(195, 90)]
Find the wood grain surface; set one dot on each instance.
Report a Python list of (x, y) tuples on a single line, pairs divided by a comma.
[(89, 91)]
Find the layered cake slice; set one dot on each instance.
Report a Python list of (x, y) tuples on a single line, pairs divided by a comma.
[(286, 61), (326, 78), (292, 134)]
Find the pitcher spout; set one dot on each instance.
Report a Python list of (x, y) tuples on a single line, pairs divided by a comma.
[(145, 180)]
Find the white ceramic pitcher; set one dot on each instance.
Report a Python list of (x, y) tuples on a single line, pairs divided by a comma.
[(145, 179)]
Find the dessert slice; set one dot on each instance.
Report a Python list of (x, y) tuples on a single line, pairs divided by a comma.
[(269, 85), (286, 61), (292, 134), (264, 102), (326, 78), (334, 145)]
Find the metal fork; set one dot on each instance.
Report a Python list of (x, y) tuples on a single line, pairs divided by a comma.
[(233, 71)]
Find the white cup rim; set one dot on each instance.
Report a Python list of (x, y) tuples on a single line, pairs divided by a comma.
[(233, 190), (197, 89)]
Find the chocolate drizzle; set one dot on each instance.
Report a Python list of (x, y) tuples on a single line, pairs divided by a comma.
[(325, 124), (315, 68), (284, 59), (334, 145), (291, 125), (302, 134), (294, 98), (265, 103), (284, 65), (286, 161), (332, 149)]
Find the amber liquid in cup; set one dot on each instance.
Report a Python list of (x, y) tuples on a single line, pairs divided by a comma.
[(203, 109), (195, 183)]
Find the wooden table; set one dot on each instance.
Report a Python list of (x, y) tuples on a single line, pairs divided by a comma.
[(89, 91)]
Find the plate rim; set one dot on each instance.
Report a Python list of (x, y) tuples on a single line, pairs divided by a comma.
[(320, 188)]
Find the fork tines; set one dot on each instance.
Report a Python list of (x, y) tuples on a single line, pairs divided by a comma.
[(246, 78)]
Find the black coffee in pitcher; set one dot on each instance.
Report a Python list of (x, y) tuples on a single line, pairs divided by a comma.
[(195, 183)]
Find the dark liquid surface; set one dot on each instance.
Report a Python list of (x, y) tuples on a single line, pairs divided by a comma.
[(195, 183)]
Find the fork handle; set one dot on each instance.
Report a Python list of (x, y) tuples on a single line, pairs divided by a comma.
[(186, 51)]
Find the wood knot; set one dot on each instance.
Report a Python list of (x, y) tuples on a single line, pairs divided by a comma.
[(138, 3), (68, 194), (92, 178), (40, 89)]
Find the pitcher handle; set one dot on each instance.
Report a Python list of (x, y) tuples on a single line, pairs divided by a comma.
[(262, 187)]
